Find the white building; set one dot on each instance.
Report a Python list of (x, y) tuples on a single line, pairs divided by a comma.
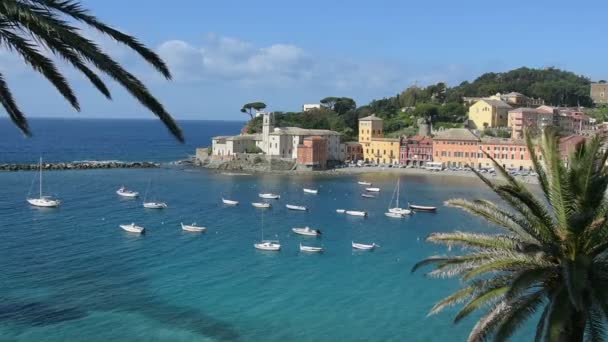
[(277, 142), (310, 106)]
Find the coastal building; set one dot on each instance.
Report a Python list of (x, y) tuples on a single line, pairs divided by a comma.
[(313, 152), (522, 119), (310, 106), (512, 154), (573, 121), (416, 150), (225, 147), (516, 99), (354, 151), (599, 93), (456, 147), (488, 113), (567, 145), (376, 148)]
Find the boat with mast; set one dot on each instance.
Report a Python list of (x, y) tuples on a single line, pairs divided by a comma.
[(153, 204), (267, 245), (396, 210), (42, 201)]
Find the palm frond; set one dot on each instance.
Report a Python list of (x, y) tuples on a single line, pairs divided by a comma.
[(526, 279), (487, 323), (485, 298), (537, 165), (476, 241), (9, 104), (519, 310)]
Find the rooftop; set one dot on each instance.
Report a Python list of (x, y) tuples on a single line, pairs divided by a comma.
[(386, 139), (502, 141), (372, 117), (523, 110), (314, 137), (496, 103), (456, 134), (302, 131)]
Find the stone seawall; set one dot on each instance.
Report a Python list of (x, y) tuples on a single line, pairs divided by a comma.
[(83, 165)]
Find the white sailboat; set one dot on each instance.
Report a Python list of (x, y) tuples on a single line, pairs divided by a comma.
[(364, 183), (306, 231), (153, 204), (267, 245), (372, 189), (396, 209), (261, 204), (367, 196), (132, 228), (363, 246), (311, 191), (296, 207), (269, 196), (193, 228), (394, 215), (310, 249), (124, 192), (229, 202), (340, 211), (356, 213), (42, 201)]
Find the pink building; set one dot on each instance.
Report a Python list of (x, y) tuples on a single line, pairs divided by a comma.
[(416, 150), (522, 119)]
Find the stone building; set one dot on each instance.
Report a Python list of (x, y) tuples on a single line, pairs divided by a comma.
[(599, 93)]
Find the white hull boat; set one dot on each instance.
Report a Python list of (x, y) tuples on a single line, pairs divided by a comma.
[(340, 211), (356, 213), (422, 208), (269, 196), (367, 196), (268, 246), (401, 211), (42, 201), (394, 215), (311, 191), (155, 205), (229, 202), (306, 231), (364, 183), (295, 207), (364, 247), (132, 228), (310, 249), (124, 192), (372, 189), (260, 205), (193, 228)]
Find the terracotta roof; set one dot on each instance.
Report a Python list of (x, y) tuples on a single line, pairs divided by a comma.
[(372, 117), (496, 103), (502, 141), (314, 137), (456, 134)]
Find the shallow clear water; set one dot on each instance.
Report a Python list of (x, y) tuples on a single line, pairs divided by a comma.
[(72, 274)]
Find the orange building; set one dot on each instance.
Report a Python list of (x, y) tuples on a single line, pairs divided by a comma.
[(456, 147), (313, 152), (512, 154)]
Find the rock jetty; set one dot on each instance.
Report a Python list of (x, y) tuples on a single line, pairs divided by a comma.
[(80, 165)]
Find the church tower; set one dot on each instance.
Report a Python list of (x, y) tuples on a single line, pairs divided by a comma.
[(267, 127)]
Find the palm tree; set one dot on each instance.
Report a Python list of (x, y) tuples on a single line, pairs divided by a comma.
[(551, 259), (27, 26)]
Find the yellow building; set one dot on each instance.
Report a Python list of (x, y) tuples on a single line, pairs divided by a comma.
[(376, 148), (488, 113)]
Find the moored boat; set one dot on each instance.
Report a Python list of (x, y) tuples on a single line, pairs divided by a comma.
[(340, 211), (422, 208), (306, 231), (363, 246), (367, 196), (310, 249), (296, 207), (364, 183), (193, 228), (372, 189), (155, 205), (356, 213), (229, 202), (396, 209), (132, 228), (268, 245), (124, 192), (42, 201), (393, 215), (311, 191), (269, 196), (261, 204)]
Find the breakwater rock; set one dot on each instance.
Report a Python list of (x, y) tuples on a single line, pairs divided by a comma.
[(80, 165)]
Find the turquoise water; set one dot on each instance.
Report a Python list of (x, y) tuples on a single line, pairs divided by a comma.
[(71, 274)]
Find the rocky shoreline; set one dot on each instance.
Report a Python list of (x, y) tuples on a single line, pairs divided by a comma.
[(79, 165)]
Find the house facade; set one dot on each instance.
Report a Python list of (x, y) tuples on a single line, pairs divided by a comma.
[(456, 147), (488, 113), (313, 153), (376, 148), (416, 150), (512, 154), (522, 119), (354, 151)]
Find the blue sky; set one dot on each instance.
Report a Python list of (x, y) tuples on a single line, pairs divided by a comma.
[(226, 53)]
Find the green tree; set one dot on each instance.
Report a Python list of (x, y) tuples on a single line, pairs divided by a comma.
[(28, 25), (551, 259), (343, 105), (427, 110), (252, 107), (329, 102)]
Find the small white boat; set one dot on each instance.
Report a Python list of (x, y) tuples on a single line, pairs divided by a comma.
[(364, 247), (367, 196), (268, 245), (310, 249), (261, 204), (372, 189), (364, 183), (356, 213), (393, 215), (269, 196), (340, 211), (422, 208), (155, 205), (306, 231), (296, 207), (400, 211), (124, 192), (42, 201), (229, 202), (193, 228), (132, 228), (311, 191)]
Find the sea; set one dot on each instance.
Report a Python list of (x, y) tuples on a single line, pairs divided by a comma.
[(71, 274)]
